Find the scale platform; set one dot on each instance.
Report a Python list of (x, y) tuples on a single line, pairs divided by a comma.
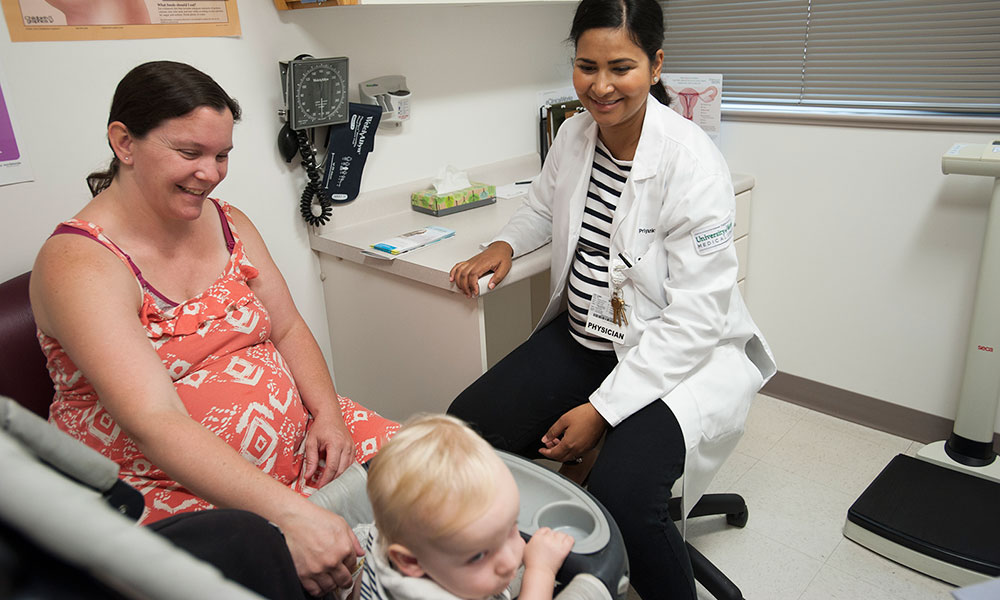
[(930, 518)]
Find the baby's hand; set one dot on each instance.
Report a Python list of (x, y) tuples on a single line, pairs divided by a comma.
[(547, 550)]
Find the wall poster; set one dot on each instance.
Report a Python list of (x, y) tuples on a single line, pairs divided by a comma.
[(698, 98), (74, 20), (14, 167)]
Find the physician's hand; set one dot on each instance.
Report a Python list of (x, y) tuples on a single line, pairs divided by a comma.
[(328, 440), (323, 548), (573, 434), (496, 257)]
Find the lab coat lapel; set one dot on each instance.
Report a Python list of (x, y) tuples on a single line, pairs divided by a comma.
[(644, 165), (582, 161)]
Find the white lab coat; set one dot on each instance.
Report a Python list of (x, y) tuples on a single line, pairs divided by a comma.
[(690, 340)]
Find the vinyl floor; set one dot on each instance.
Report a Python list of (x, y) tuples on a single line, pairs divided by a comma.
[(799, 471)]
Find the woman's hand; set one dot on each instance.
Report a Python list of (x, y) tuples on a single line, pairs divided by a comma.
[(323, 548), (573, 434), (329, 448), (497, 258)]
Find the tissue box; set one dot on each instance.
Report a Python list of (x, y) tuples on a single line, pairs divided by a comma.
[(432, 203)]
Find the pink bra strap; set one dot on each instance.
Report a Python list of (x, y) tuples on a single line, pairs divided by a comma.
[(63, 228)]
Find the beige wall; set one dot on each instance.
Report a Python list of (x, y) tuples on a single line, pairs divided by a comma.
[(864, 256)]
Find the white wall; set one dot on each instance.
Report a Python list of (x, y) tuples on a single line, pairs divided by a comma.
[(864, 256), (474, 72)]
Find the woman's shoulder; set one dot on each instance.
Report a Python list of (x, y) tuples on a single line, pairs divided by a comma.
[(684, 140), (72, 268)]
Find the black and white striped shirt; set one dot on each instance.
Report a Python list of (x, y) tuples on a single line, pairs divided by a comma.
[(589, 272)]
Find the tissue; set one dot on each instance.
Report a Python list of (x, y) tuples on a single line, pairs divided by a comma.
[(452, 192), (450, 179)]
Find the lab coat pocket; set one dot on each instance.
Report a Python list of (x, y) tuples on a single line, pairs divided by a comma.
[(723, 389), (648, 275)]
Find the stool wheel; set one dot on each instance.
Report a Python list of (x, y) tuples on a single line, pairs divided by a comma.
[(738, 519)]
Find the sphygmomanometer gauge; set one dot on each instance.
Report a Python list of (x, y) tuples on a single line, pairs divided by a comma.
[(317, 92)]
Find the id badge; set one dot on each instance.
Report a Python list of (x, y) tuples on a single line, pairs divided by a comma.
[(601, 321)]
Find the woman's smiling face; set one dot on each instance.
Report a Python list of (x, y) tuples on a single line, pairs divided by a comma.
[(612, 75)]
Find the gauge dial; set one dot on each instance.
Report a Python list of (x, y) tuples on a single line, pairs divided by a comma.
[(318, 92)]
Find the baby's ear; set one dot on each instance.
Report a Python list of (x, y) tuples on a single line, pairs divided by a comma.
[(405, 561)]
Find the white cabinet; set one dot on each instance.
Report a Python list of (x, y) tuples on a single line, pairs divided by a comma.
[(741, 230)]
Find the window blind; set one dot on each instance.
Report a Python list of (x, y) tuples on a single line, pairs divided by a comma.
[(911, 55)]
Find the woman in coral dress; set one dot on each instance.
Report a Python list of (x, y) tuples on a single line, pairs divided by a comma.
[(173, 341)]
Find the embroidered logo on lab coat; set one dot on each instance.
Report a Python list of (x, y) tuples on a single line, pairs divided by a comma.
[(713, 238)]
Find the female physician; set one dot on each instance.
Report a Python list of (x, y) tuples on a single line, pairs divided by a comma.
[(656, 352)]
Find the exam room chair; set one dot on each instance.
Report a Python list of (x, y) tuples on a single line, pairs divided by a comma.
[(23, 375), (64, 515), (707, 574)]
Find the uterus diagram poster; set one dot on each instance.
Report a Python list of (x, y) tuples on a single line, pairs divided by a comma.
[(14, 167), (78, 20), (697, 97)]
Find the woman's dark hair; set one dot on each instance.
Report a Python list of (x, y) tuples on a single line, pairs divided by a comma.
[(155, 92), (641, 19)]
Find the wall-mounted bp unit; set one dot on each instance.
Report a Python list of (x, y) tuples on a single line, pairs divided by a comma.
[(391, 94)]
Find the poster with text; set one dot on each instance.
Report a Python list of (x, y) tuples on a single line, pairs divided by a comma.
[(14, 167), (73, 20), (697, 97)]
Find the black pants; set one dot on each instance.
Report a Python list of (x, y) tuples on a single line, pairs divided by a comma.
[(513, 405), (245, 547)]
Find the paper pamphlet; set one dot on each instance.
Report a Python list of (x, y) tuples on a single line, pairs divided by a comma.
[(391, 248)]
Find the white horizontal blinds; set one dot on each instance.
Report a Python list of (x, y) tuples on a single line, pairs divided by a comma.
[(896, 54), (928, 55), (757, 46)]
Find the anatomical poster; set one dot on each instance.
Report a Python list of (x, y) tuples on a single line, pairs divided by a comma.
[(697, 97), (63, 20)]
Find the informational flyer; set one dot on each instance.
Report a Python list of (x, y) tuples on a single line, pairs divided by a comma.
[(14, 167), (74, 20), (697, 97)]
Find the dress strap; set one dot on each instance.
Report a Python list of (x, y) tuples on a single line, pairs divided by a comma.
[(87, 230), (227, 231)]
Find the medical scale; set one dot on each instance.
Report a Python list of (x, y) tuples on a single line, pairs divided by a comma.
[(939, 513)]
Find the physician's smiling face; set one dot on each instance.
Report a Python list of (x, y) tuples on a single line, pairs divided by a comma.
[(612, 75)]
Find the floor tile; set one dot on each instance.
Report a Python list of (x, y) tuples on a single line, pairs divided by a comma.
[(799, 471), (893, 442), (768, 421), (833, 584), (735, 467), (790, 509), (761, 567), (830, 455), (902, 582)]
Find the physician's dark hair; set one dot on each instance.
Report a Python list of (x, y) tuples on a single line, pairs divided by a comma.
[(155, 92), (641, 19)]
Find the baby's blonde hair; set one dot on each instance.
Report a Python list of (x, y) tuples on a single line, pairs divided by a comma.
[(434, 477)]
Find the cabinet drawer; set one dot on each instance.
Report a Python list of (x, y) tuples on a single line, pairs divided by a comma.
[(742, 254), (742, 225)]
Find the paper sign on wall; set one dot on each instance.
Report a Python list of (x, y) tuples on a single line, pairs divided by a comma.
[(61, 20), (14, 167), (697, 97)]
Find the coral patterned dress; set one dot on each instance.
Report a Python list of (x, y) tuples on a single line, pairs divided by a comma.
[(229, 375)]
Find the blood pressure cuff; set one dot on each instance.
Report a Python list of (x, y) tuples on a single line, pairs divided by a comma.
[(348, 146)]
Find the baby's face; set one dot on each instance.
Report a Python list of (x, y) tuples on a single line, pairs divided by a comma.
[(479, 560)]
